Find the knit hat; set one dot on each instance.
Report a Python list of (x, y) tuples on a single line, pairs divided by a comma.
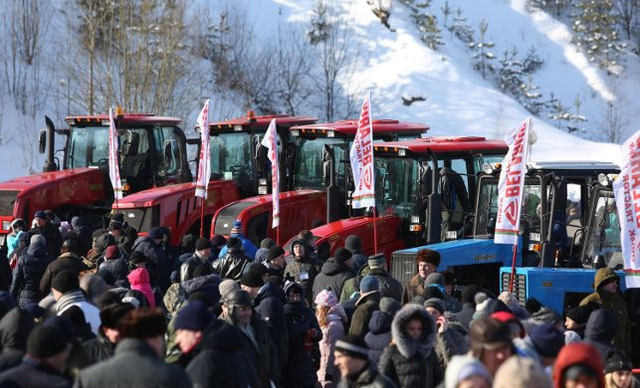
[(353, 346), (369, 284), (274, 252), (202, 244), (111, 252), (155, 234), (580, 314), (532, 305), (353, 244), (118, 217), (237, 228), (267, 243), (45, 341), (137, 257), (218, 240), (107, 276), (428, 256), (435, 303), (376, 261), (195, 316), (617, 360), (65, 281), (510, 319), (326, 298), (252, 279), (226, 286), (114, 225), (547, 340), (40, 214), (38, 239), (489, 333), (389, 305), (521, 372), (432, 292), (545, 314), (142, 323), (342, 255), (464, 367)]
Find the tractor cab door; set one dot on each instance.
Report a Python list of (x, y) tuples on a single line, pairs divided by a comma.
[(136, 158), (169, 159)]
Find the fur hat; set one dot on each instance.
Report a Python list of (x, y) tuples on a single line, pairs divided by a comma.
[(521, 372), (142, 323), (428, 256), (226, 286)]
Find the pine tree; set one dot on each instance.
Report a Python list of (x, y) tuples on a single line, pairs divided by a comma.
[(481, 51), (559, 113), (576, 119), (320, 25), (446, 11), (532, 61), (509, 73), (460, 28), (428, 26), (531, 97), (555, 6), (594, 24)]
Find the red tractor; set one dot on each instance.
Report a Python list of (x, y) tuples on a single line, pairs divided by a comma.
[(237, 171), (316, 184), (152, 153)]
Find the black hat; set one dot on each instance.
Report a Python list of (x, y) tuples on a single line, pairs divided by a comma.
[(252, 279), (274, 252), (234, 242), (202, 244), (155, 234), (238, 298), (267, 243), (137, 257), (353, 346), (188, 243), (65, 281), (45, 341), (118, 217), (259, 269), (580, 314), (547, 339), (107, 276), (111, 314), (436, 303), (617, 360), (489, 333), (195, 317), (218, 240), (342, 255), (40, 214)]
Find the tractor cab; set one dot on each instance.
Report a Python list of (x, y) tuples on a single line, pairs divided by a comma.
[(315, 179), (600, 240)]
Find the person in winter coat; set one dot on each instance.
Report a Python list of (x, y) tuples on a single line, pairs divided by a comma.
[(116, 264), (17, 226), (304, 334), (600, 332), (578, 362), (334, 273), (269, 302), (67, 261), (31, 266), (368, 302), (103, 346), (449, 341), (233, 264), (450, 303), (237, 310), (354, 245), (46, 356), (356, 370), (83, 234), (379, 335), (332, 321), (410, 360), (261, 254), (466, 371), (618, 371), (139, 280), (275, 264), (490, 343), (465, 315), (389, 287), (201, 255), (521, 372), (159, 265), (427, 262), (15, 327), (248, 247), (606, 295), (67, 292), (304, 268), (50, 232), (137, 360), (577, 317)]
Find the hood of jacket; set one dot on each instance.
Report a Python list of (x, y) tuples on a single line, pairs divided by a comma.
[(407, 346), (353, 245), (380, 322), (601, 326), (307, 250), (139, 276), (269, 290), (332, 267), (37, 249), (578, 353), (69, 255), (14, 329), (602, 275), (337, 313)]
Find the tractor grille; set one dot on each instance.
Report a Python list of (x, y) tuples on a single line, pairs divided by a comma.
[(403, 266), (142, 219), (519, 286)]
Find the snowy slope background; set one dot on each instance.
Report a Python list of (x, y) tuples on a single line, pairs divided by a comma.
[(394, 63)]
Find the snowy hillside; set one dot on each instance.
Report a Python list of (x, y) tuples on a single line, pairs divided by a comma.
[(396, 63)]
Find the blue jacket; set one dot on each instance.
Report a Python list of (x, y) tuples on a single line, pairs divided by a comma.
[(249, 249)]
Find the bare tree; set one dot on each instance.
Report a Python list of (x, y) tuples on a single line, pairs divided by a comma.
[(616, 120), (293, 63), (627, 9)]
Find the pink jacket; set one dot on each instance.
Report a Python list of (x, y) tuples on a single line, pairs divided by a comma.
[(139, 280), (331, 333)]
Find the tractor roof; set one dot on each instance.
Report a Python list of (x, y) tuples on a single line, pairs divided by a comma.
[(124, 119), (559, 166), (348, 128), (443, 145), (259, 123)]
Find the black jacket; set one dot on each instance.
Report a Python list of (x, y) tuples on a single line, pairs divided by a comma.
[(32, 373), (233, 265), (369, 377), (119, 268), (27, 274), (99, 348), (188, 267), (601, 330), (332, 275), (66, 262), (14, 330), (389, 287), (303, 350), (161, 266), (134, 364), (52, 235), (270, 306)]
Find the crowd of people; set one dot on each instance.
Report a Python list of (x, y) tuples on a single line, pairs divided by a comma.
[(107, 308)]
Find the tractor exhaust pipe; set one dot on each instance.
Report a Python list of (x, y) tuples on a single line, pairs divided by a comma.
[(50, 164)]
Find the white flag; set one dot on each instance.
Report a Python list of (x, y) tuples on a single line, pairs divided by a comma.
[(204, 166), (271, 142), (626, 189), (114, 167), (361, 157), (511, 185)]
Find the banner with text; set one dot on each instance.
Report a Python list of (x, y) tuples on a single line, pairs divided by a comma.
[(361, 157), (511, 185), (626, 189), (271, 142), (114, 167), (204, 166)]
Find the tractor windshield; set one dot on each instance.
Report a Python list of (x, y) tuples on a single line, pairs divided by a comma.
[(309, 166), (231, 157), (396, 180), (88, 146), (603, 235), (488, 206)]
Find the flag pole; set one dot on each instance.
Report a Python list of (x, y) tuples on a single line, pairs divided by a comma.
[(202, 218), (375, 232), (513, 267)]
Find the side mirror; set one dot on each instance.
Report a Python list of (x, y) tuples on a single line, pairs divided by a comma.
[(599, 262), (42, 141)]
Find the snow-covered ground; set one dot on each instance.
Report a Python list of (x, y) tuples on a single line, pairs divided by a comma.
[(397, 63)]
